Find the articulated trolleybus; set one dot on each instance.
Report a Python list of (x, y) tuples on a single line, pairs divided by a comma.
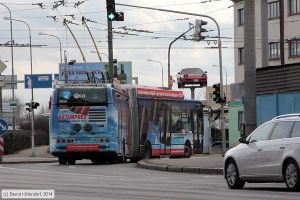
[(109, 124)]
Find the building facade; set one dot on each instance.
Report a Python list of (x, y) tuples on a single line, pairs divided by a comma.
[(290, 34)]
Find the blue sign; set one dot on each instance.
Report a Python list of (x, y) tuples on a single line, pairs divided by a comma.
[(38, 81), (3, 127)]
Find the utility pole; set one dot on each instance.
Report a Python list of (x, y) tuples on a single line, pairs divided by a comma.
[(12, 63), (250, 67), (281, 6), (264, 33), (110, 50)]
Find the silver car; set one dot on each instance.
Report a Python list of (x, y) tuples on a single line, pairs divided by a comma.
[(271, 153)]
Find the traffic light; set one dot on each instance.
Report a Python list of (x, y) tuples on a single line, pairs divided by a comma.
[(110, 5), (32, 105), (224, 100), (115, 16), (216, 93), (112, 15), (29, 109), (35, 105), (199, 30)]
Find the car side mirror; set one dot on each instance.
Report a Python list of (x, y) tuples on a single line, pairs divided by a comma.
[(205, 72), (243, 140)]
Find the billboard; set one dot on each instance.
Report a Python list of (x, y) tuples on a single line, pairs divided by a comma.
[(77, 72)]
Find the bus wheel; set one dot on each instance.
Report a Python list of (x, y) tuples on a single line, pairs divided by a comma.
[(147, 151), (134, 160), (71, 161), (62, 161), (187, 150)]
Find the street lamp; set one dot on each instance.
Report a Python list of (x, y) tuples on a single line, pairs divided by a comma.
[(162, 71), (12, 62), (32, 100), (92, 51), (226, 77), (58, 41)]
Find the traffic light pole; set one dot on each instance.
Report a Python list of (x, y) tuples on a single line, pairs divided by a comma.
[(110, 50), (220, 58), (169, 52)]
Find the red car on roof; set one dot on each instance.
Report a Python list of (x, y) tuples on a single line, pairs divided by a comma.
[(191, 76)]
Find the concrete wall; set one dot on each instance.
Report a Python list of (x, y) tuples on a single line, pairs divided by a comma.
[(270, 105), (291, 30)]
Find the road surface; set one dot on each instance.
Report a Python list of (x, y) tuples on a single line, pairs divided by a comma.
[(126, 181)]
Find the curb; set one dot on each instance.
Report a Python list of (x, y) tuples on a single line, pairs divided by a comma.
[(28, 162), (172, 168)]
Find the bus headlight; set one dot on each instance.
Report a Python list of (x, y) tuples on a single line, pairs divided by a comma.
[(88, 127), (77, 127)]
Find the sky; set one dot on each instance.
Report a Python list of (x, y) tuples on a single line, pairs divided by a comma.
[(148, 38)]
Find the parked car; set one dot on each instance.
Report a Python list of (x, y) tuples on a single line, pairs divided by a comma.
[(191, 76), (271, 153)]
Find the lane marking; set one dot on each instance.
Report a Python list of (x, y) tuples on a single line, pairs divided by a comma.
[(61, 173)]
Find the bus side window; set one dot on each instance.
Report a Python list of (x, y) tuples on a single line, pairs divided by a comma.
[(161, 128)]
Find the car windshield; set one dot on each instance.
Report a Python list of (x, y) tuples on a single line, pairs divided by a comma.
[(192, 71)]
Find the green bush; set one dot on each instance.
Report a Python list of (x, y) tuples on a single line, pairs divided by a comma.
[(18, 140)]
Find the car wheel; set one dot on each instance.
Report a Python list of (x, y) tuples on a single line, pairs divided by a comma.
[(232, 176), (187, 150), (292, 175), (62, 161)]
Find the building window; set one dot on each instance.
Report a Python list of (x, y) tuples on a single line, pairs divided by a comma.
[(294, 7), (273, 10), (294, 48), (241, 17), (241, 55), (274, 51)]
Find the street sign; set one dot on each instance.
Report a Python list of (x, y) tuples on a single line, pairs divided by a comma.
[(38, 81), (2, 77), (3, 127), (6, 108), (13, 104), (2, 66), (8, 83)]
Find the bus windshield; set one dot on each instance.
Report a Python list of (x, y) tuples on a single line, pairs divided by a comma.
[(81, 96)]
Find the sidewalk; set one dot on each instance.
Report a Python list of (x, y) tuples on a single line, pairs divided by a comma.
[(199, 164), (25, 156)]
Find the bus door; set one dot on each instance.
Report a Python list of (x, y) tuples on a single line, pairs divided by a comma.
[(165, 123), (181, 130), (197, 131)]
